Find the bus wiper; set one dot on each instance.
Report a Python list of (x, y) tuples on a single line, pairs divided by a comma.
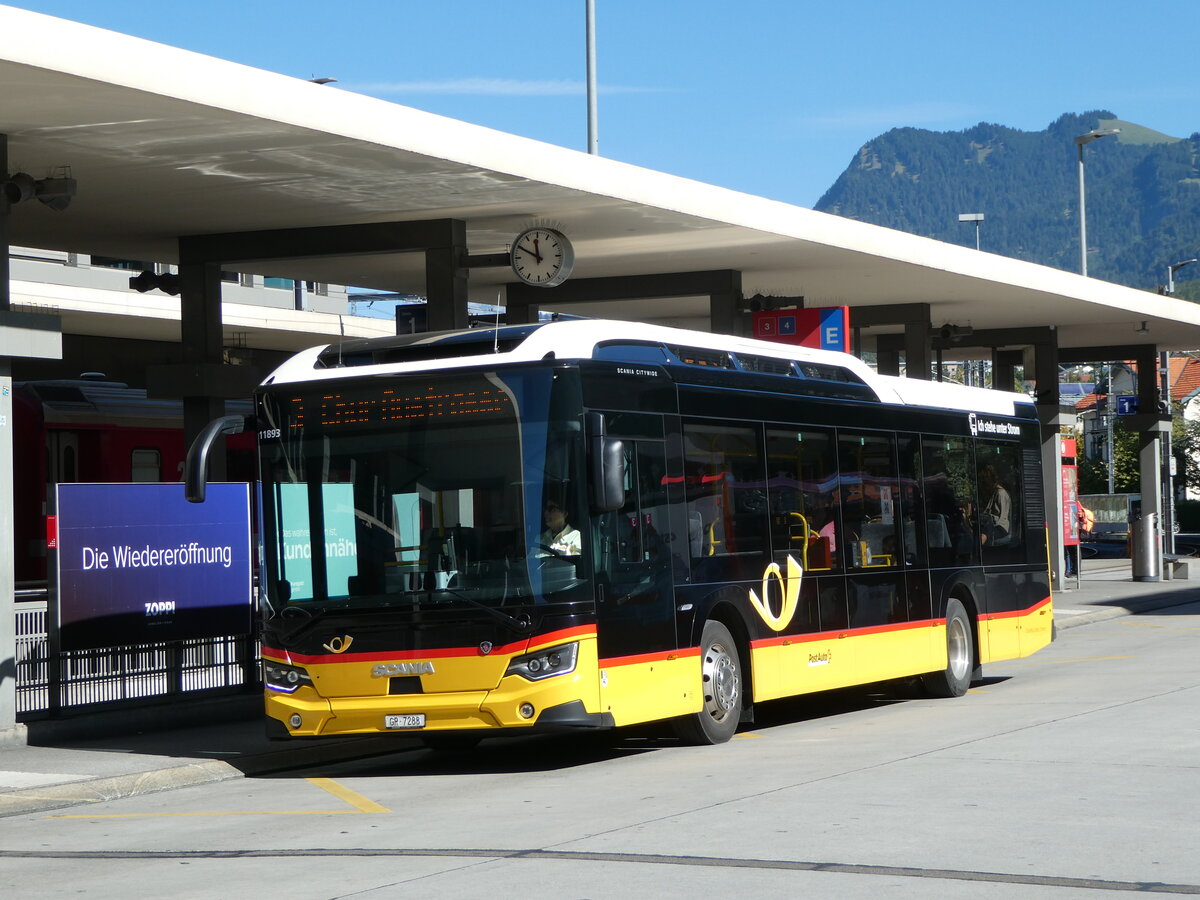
[(522, 624), (307, 618)]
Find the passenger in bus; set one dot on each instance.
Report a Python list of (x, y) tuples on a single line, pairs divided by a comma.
[(828, 531), (996, 512), (560, 537)]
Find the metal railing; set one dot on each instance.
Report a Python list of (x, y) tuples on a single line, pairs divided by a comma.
[(50, 684)]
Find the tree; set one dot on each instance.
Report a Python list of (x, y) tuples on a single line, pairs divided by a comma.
[(1185, 447), (1093, 473)]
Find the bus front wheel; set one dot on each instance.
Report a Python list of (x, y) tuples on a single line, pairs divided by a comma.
[(721, 685), (954, 680)]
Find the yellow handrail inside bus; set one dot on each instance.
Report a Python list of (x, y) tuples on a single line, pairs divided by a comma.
[(808, 536)]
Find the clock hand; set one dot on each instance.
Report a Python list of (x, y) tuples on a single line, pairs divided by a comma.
[(537, 250), (536, 256)]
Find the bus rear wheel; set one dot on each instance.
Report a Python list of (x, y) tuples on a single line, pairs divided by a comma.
[(954, 680), (721, 685)]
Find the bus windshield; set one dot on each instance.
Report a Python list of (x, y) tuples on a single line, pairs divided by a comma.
[(423, 489)]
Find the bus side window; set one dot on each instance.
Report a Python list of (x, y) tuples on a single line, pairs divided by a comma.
[(726, 500), (802, 475), (868, 485), (912, 502), (641, 521), (1001, 510), (949, 487)]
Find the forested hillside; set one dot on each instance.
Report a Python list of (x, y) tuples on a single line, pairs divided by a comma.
[(1143, 194)]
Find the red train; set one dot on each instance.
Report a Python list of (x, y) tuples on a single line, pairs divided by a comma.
[(93, 430)]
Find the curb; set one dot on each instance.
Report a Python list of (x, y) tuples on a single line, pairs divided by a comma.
[(1106, 613), (153, 781), (97, 790)]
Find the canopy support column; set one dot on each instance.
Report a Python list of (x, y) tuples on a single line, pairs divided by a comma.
[(23, 335)]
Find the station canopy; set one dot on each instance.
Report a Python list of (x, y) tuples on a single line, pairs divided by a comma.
[(165, 143)]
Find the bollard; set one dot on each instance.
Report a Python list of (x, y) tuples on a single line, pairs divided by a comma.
[(1144, 548)]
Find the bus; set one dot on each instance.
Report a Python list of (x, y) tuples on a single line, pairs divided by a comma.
[(586, 524)]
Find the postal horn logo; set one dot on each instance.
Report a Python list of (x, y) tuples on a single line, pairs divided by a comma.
[(789, 589), (339, 644)]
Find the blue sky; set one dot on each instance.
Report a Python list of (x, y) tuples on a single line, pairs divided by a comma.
[(772, 97)]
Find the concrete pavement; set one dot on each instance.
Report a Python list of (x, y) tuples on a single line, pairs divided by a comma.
[(59, 769), (1107, 591)]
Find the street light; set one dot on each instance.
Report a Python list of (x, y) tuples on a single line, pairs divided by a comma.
[(977, 218), (1172, 269), (593, 128), (1094, 135), (1164, 365)]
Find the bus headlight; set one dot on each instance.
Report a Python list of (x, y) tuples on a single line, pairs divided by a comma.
[(284, 678), (545, 663)]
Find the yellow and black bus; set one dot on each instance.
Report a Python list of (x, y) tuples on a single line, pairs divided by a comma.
[(588, 524)]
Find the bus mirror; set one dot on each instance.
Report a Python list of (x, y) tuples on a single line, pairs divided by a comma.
[(609, 474), (195, 467)]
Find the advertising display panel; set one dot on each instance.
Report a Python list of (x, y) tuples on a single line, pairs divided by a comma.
[(1070, 493), (139, 564), (340, 547)]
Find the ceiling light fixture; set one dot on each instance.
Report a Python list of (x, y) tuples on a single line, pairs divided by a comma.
[(56, 193)]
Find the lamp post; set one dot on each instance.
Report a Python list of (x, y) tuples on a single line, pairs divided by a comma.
[(1164, 362), (1109, 412), (1172, 269), (977, 218), (1168, 484), (1094, 135), (593, 138)]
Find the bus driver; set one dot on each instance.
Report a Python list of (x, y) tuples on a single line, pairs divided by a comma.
[(559, 537)]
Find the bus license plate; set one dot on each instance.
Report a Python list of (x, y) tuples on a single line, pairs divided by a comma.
[(416, 720)]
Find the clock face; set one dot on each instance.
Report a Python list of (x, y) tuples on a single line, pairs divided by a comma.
[(542, 257)]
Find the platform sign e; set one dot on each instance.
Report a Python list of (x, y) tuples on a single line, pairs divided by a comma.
[(822, 328)]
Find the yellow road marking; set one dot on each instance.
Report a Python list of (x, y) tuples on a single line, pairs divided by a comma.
[(748, 734), (1148, 625), (352, 798)]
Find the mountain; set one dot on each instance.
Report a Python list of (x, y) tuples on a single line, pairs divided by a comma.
[(1143, 194)]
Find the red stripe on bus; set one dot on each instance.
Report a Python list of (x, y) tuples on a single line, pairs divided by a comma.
[(639, 658), (563, 634), (1017, 613), (439, 653)]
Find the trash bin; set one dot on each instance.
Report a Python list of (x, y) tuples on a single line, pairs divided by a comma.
[(1143, 548)]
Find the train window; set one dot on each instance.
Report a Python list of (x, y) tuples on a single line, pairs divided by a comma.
[(145, 465)]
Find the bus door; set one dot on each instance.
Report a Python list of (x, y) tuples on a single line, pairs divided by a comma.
[(642, 677)]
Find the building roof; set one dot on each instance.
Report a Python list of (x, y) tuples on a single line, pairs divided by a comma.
[(1184, 379), (165, 142), (1185, 376)]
